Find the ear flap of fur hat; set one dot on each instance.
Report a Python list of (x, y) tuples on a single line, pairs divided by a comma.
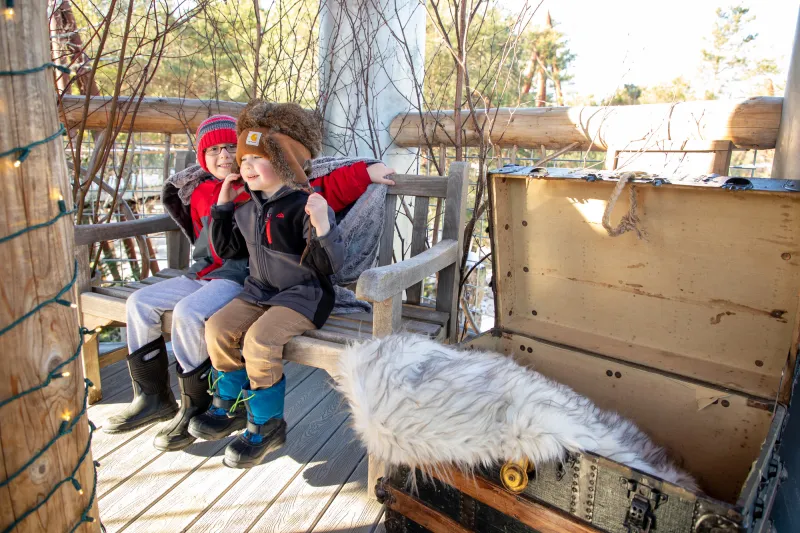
[(288, 119), (289, 158)]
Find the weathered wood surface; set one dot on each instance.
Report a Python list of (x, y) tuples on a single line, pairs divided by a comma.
[(388, 316), (91, 233), (786, 163), (157, 115), (377, 284), (416, 185), (671, 157), (352, 510), (131, 499), (751, 123), (178, 250), (430, 519), (540, 518), (447, 291), (35, 267), (419, 242)]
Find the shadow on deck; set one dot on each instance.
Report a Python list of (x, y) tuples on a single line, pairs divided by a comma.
[(316, 482)]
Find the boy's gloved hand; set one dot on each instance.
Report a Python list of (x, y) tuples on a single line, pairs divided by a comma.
[(317, 210), (227, 192), (378, 172)]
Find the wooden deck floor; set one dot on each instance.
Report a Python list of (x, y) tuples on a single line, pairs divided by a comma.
[(316, 482)]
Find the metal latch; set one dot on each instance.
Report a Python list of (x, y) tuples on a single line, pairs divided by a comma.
[(644, 500)]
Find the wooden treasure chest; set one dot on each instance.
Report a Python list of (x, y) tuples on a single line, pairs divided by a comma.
[(677, 308)]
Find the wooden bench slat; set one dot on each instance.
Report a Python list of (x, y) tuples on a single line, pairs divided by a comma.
[(116, 292), (170, 273), (425, 314)]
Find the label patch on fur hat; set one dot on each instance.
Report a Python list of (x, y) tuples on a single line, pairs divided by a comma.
[(253, 138)]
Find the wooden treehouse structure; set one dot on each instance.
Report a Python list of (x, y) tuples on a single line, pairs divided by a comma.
[(322, 480)]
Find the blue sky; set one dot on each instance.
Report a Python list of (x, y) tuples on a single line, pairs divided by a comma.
[(647, 42)]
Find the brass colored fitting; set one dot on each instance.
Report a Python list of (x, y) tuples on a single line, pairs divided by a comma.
[(514, 475)]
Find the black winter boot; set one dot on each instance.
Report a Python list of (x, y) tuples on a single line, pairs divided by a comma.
[(152, 397), (194, 400), (226, 414), (266, 428)]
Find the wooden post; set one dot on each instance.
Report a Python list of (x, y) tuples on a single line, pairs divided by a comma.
[(786, 163), (36, 266), (453, 228)]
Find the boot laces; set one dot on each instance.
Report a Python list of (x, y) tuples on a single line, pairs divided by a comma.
[(239, 400)]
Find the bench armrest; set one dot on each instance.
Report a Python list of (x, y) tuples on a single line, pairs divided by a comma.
[(381, 283), (92, 233)]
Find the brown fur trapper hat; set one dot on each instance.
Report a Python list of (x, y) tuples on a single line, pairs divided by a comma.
[(286, 134)]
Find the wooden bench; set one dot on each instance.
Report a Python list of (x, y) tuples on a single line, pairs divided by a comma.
[(383, 285)]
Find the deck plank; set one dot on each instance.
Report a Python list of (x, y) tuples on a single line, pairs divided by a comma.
[(257, 489), (123, 506), (138, 452), (352, 509), (307, 497), (204, 497)]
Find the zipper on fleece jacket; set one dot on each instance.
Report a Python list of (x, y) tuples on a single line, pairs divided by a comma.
[(269, 227), (260, 230)]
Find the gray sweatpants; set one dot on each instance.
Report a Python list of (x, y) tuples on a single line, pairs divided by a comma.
[(191, 302)]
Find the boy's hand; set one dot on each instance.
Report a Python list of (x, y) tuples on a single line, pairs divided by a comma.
[(317, 210), (227, 193), (378, 172)]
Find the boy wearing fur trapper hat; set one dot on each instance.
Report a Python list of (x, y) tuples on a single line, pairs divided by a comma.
[(290, 234)]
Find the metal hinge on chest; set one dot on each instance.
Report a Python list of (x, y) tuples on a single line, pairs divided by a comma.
[(644, 500)]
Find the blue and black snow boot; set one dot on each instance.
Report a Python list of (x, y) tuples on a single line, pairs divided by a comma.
[(266, 429), (226, 415)]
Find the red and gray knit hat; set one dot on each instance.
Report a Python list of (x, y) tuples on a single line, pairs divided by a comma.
[(217, 129)]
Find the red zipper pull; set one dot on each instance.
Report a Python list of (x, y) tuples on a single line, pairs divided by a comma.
[(269, 230)]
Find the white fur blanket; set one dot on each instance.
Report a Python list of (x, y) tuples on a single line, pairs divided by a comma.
[(419, 403)]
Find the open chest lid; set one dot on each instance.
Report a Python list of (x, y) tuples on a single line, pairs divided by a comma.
[(710, 292)]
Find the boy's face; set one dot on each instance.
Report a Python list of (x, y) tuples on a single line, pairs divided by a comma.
[(258, 173), (220, 159)]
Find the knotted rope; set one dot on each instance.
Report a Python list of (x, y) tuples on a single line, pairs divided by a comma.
[(630, 221)]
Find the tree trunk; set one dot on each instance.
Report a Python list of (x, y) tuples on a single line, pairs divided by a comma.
[(541, 92), (527, 76), (36, 267), (557, 85)]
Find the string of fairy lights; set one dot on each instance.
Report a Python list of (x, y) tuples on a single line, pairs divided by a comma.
[(69, 421)]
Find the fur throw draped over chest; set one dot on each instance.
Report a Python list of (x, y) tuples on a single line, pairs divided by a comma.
[(419, 403)]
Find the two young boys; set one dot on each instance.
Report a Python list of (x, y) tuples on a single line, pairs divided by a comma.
[(262, 239)]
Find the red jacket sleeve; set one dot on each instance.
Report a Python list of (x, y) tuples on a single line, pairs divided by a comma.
[(343, 186)]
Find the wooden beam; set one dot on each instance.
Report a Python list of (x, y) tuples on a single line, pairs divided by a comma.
[(540, 518), (748, 123), (786, 163), (156, 115), (91, 233), (36, 267)]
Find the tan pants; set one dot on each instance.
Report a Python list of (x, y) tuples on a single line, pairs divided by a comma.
[(265, 331)]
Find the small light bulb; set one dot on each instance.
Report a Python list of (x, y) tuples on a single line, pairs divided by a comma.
[(67, 417), (9, 13), (65, 374), (73, 305), (98, 329), (17, 163), (80, 492)]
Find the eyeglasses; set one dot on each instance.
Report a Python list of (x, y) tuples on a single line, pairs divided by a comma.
[(215, 150)]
